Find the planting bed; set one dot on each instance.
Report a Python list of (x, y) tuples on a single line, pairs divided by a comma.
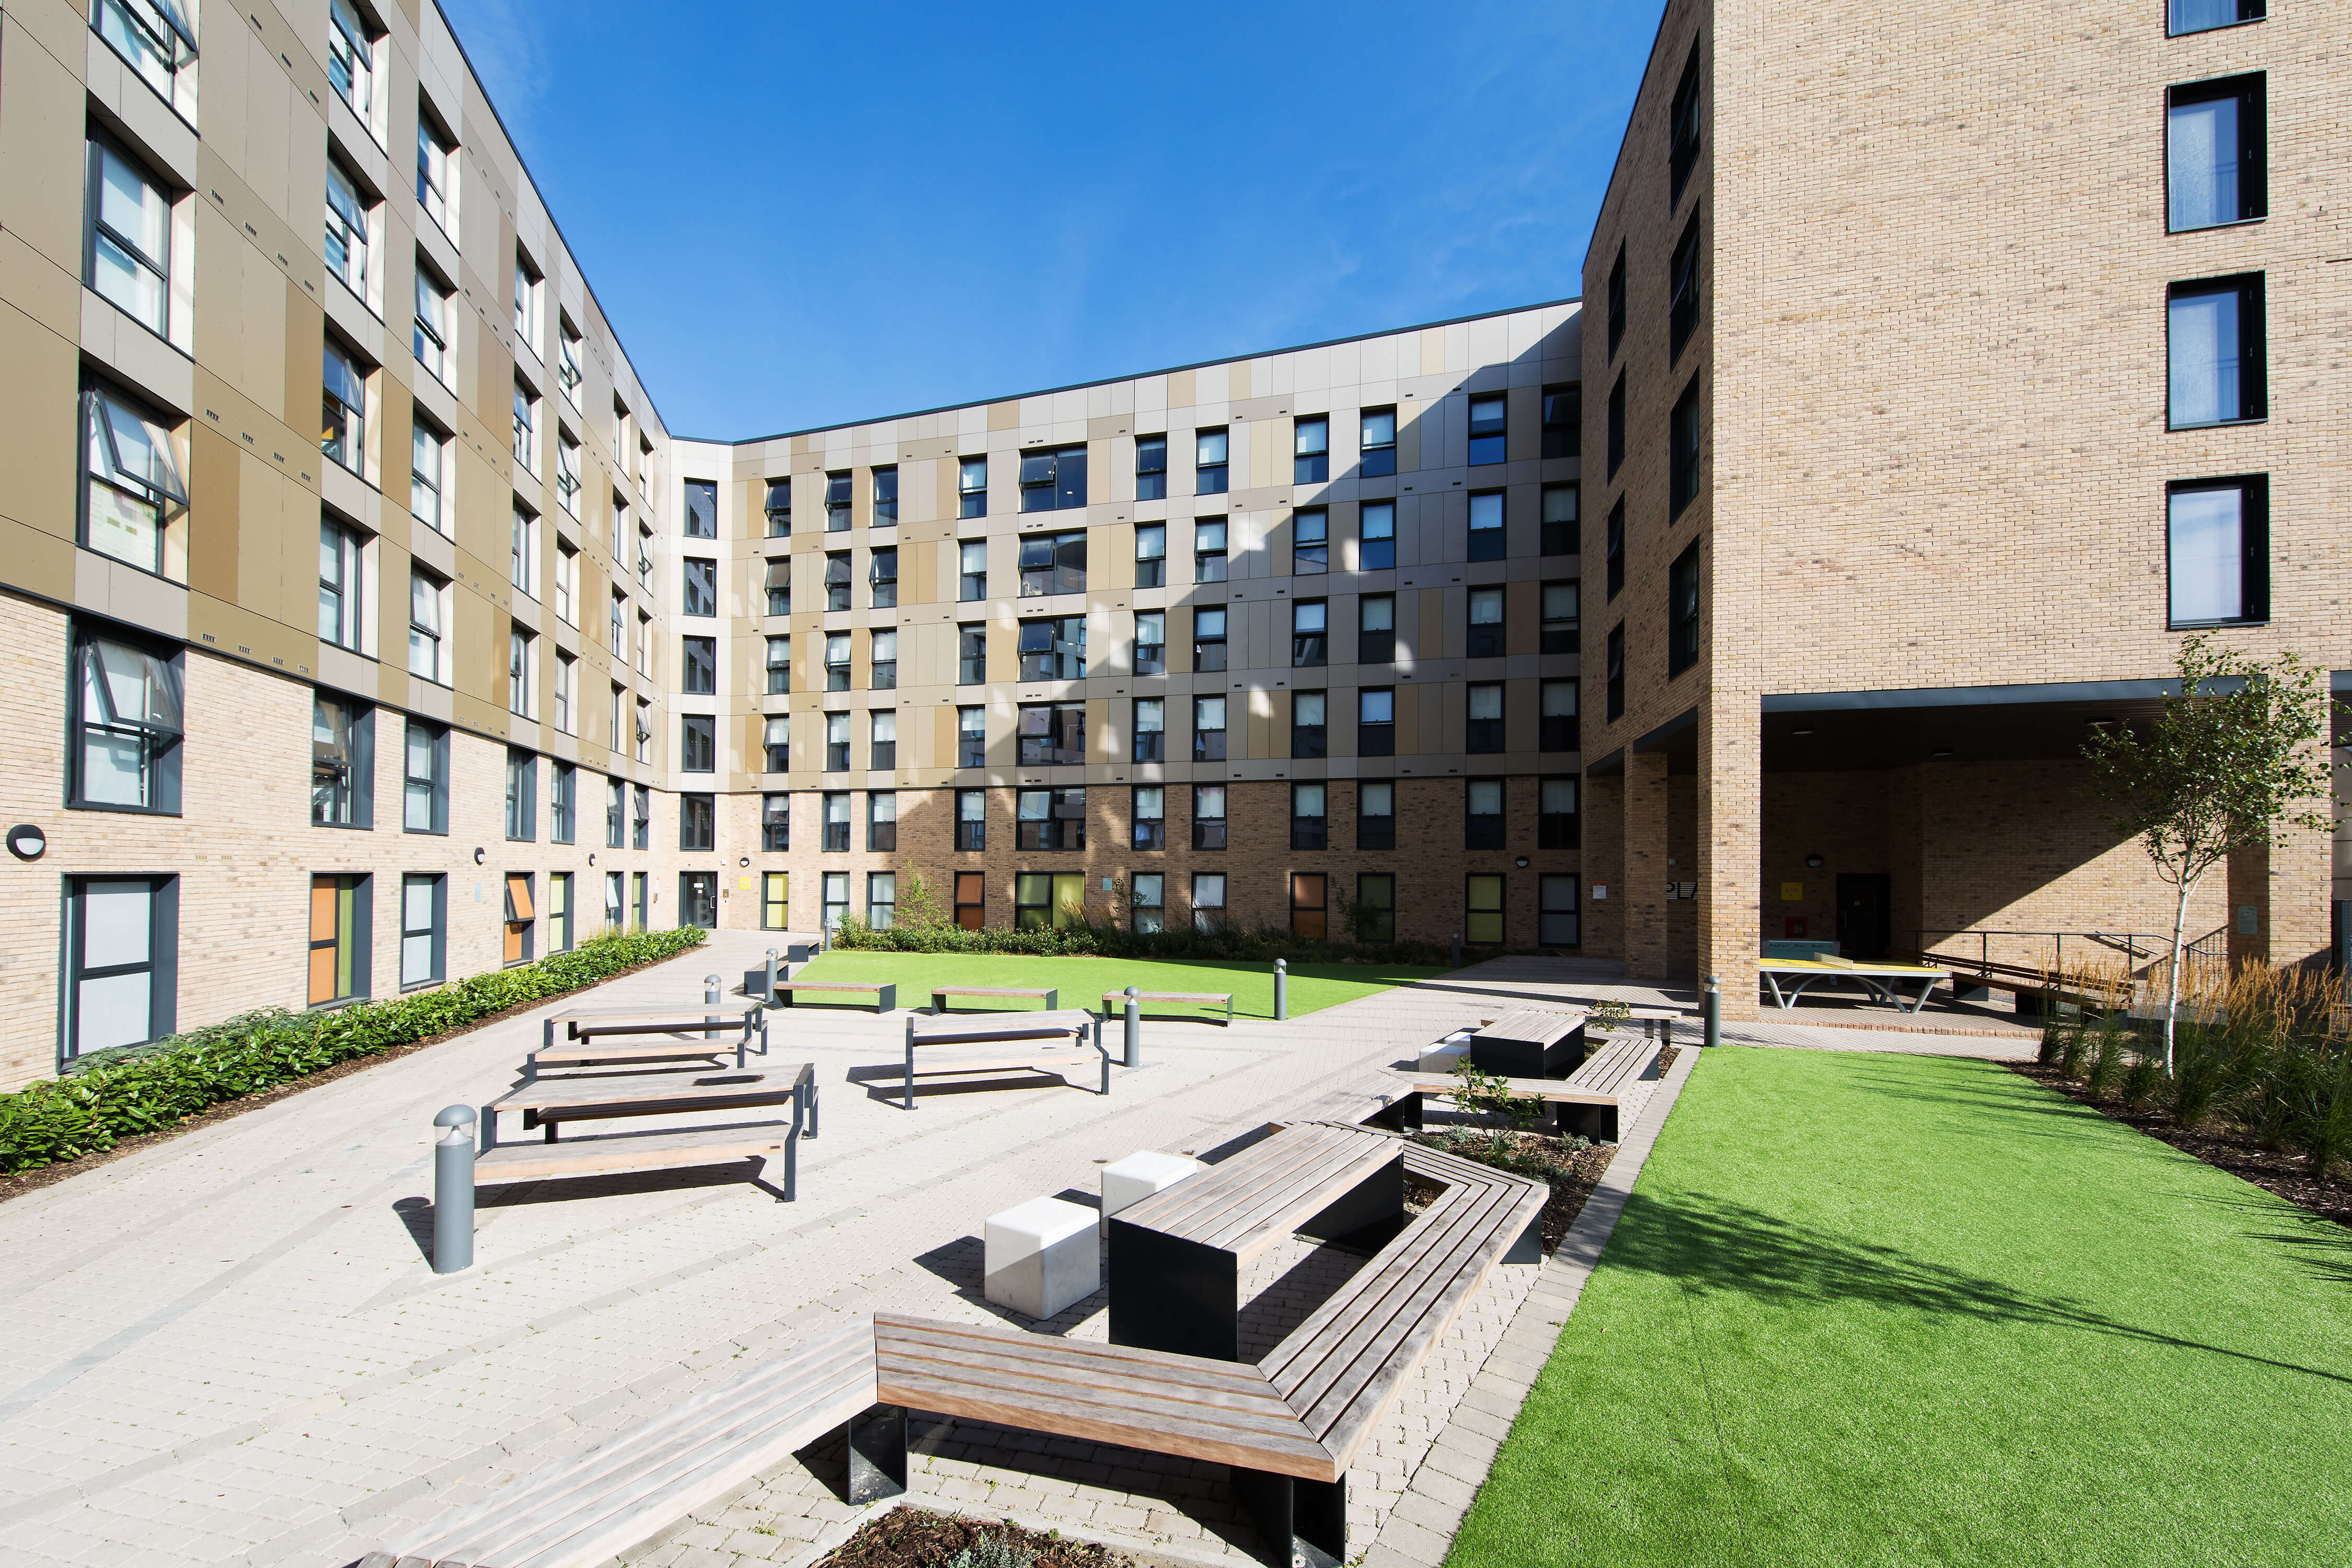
[(917, 1538)]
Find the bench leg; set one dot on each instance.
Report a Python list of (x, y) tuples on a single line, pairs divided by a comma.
[(910, 1065), (1528, 1248), (1300, 1524), (1170, 1294), (878, 1454)]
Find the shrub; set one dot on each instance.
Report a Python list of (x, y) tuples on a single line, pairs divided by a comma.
[(1103, 939), (112, 1095)]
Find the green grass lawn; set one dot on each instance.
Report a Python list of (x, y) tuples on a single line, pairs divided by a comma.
[(1901, 1309), (1082, 981)]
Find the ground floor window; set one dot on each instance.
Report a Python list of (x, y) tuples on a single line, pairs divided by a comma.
[(1151, 899), (559, 912), (1376, 898), (1557, 920), (970, 895), (121, 935), (836, 898), (522, 917), (775, 901), (616, 907), (881, 899), (1208, 900), (641, 897), (698, 899), (1043, 898), (1482, 910), (1308, 915), (339, 939), (423, 919)]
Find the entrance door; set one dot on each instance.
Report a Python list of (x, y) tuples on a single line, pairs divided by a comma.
[(1865, 913), (698, 899)]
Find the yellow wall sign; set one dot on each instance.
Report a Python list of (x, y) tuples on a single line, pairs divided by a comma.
[(1792, 892)]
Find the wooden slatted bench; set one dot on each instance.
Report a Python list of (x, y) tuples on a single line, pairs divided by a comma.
[(1586, 1100), (1050, 995), (549, 1102), (885, 992), (1067, 1027), (587, 1025), (1115, 1001)]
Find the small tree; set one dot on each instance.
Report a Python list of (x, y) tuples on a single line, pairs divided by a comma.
[(2225, 767), (919, 906)]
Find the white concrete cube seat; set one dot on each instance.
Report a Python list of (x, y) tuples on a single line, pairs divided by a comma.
[(1147, 1171), (1446, 1055), (1040, 1256)]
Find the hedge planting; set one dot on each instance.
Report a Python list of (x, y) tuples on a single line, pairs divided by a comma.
[(141, 1088), (1097, 939)]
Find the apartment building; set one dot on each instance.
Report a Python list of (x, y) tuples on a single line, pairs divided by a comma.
[(1948, 368)]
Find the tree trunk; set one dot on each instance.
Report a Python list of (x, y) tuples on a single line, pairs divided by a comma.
[(2172, 981)]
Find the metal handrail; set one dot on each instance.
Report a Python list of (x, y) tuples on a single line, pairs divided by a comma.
[(2210, 947)]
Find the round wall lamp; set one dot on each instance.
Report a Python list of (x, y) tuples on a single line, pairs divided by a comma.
[(1814, 862), (1521, 862), (27, 842), (478, 855), (746, 860), (591, 859)]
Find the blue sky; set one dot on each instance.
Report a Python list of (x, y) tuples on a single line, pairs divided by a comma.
[(800, 216)]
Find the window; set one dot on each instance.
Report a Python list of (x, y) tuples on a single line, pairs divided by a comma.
[(428, 475), (836, 823), (1563, 420), (526, 428), (347, 230), (134, 492), (1050, 819), (1209, 449), (701, 509), (1559, 520), (433, 170), (695, 819), (568, 373), (1376, 901), (1486, 623), (522, 796), (1208, 550), (1681, 613), (351, 58), (775, 823), (1482, 911), (1376, 815), (836, 502), (1053, 479), (153, 35), (616, 906), (2214, 340), (698, 743), (343, 763), (1616, 666), (1483, 802), (776, 743), (882, 579), (1150, 730), (1489, 420), (972, 488), (1310, 446), (882, 739), (837, 742), (1310, 627), (1208, 900), (1308, 731), (1555, 813), (971, 737), (1053, 563), (881, 899), (424, 778), (1208, 816), (559, 912), (970, 892), (1681, 290), (972, 655), (778, 582), (1376, 629), (644, 553), (522, 671), (645, 728), (639, 898), (1309, 920), (971, 567), (836, 580), (2218, 550), (1485, 723), (424, 920), (882, 819), (1559, 715), (1681, 122), (129, 719), (620, 639), (1310, 542), (1150, 804), (616, 810), (1148, 901), (885, 498), (1556, 925), (1684, 432), (1208, 729), (1054, 649), (339, 939), (1052, 734), (1376, 721), (566, 668), (779, 508), (1151, 555), (522, 553), (2197, 15), (1559, 617), (1151, 467), (431, 332), (1152, 642), (971, 819), (780, 665), (561, 795), (1208, 639), (641, 823), (342, 419), (1307, 817), (521, 916), (702, 586), (837, 898), (699, 667), (1487, 539), (526, 310), (1377, 549), (1613, 547), (1617, 426), (129, 255), (1032, 901), (1379, 433), (1617, 300)]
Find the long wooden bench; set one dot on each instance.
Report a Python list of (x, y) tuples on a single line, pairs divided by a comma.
[(1067, 1027), (1115, 1001), (1049, 994), (586, 1026), (1586, 1100), (885, 992), (549, 1102)]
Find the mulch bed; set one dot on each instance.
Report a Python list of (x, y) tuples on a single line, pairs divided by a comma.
[(2220, 1144), (916, 1538)]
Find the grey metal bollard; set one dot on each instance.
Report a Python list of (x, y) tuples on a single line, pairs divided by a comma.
[(1458, 950), (1711, 1010), (453, 1191), (712, 993), (770, 994), (1134, 1028), (1281, 990)]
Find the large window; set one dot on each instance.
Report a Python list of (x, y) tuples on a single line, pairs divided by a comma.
[(1053, 563), (523, 552), (1210, 449), (1152, 642), (1309, 724), (522, 672), (134, 493), (1052, 734), (1208, 816), (1483, 731), (1681, 292), (780, 665), (1147, 901), (559, 912), (1309, 816), (696, 823), (347, 230), (698, 743), (1310, 444), (1376, 906), (563, 803), (1050, 819), (776, 743), (1054, 649), (1559, 716), (972, 488), (971, 737), (1559, 617), (778, 505), (1376, 815), (1613, 662), (424, 779), (971, 819), (339, 939), (1482, 910), (129, 259), (881, 899), (1486, 623), (1150, 804), (885, 498), (882, 821), (428, 472), (2217, 549), (1378, 438), (1486, 536), (1376, 721), (1209, 561), (343, 420), (641, 823), (1151, 555), (154, 38), (343, 763), (836, 661), (526, 428), (1556, 815), (1377, 528), (698, 670), (882, 739), (1683, 121), (616, 813), (702, 586), (837, 742), (882, 579), (1682, 612), (837, 900), (1309, 901), (701, 509), (971, 570), (1149, 742), (423, 927), (351, 56), (522, 797), (1208, 729), (836, 502), (972, 655), (777, 580), (1310, 627), (1563, 420), (1208, 900), (1376, 629), (128, 722), (1483, 808), (1684, 432), (1053, 479), (1489, 420), (2214, 340), (568, 372), (837, 577), (528, 290), (1208, 639), (616, 907), (434, 168), (835, 839), (971, 900), (2198, 15), (1151, 467)]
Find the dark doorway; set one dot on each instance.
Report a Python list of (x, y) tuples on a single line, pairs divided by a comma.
[(1864, 905), (698, 899)]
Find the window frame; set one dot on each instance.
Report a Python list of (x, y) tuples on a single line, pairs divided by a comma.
[(563, 801), (159, 731), (1684, 603), (1682, 290), (1614, 664), (699, 522), (2253, 549), (881, 821), (1384, 926), (1310, 449), (160, 495), (1559, 830), (776, 822), (1483, 736), (1310, 634), (522, 797), (345, 767), (971, 499), (1310, 741), (2260, 11), (1210, 476), (1210, 830), (1488, 539), (1209, 741), (1486, 638), (1617, 426), (699, 587), (1148, 834), (1376, 459), (1686, 118), (423, 432), (101, 146), (1563, 419), (1491, 445), (435, 780), (1310, 830), (1375, 737), (1151, 476), (1375, 829), (1686, 439), (697, 822), (1552, 734), (1060, 484), (698, 743), (434, 933), (971, 820), (2253, 366)]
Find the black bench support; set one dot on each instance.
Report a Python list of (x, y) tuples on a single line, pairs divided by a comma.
[(1368, 1218), (1303, 1524), (878, 1454), (1170, 1294)]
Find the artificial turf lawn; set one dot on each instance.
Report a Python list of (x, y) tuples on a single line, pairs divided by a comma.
[(1869, 1309), (1083, 981)]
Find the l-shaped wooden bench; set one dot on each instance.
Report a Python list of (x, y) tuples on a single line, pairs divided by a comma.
[(1586, 1100)]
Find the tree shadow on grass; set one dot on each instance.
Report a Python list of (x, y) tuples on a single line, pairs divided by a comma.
[(1719, 1247), (2043, 1113), (2321, 1247)]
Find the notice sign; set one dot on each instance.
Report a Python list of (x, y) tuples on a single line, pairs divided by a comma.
[(1792, 892)]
